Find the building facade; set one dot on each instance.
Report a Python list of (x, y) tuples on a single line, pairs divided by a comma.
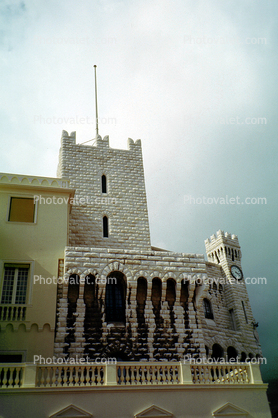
[(80, 280)]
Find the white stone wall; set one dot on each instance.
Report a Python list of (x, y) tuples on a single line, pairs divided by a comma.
[(134, 264), (191, 336), (125, 202)]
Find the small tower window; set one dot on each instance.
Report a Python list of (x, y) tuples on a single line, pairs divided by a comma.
[(103, 184), (244, 310), (233, 319), (105, 227), (207, 309)]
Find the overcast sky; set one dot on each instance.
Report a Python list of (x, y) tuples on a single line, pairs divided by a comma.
[(195, 80)]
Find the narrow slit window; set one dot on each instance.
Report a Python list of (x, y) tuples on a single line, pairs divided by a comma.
[(233, 319), (103, 184), (244, 310), (207, 309), (105, 227)]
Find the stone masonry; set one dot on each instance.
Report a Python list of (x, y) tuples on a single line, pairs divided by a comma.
[(166, 295), (124, 203)]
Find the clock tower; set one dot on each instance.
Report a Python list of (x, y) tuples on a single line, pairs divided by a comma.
[(224, 250)]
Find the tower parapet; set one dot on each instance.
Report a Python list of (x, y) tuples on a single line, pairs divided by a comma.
[(223, 245)]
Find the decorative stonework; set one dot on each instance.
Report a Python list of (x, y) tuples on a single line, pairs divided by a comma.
[(166, 331)]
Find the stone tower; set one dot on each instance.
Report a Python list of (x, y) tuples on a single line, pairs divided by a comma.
[(224, 250), (109, 184)]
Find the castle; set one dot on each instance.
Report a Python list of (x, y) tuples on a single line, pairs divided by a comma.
[(80, 280)]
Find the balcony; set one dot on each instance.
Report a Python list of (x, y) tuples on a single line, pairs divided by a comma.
[(12, 312), (126, 374)]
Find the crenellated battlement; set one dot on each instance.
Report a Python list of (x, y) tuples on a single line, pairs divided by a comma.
[(99, 142), (223, 244), (221, 236)]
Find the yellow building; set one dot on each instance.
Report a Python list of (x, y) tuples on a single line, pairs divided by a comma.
[(33, 239)]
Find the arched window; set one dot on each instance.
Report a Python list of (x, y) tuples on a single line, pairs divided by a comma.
[(142, 287), (231, 353), (105, 227), (184, 292), (73, 295), (243, 357), (141, 296), (73, 290), (217, 352), (171, 292), (103, 184), (89, 290), (207, 309), (115, 297), (156, 292), (250, 356)]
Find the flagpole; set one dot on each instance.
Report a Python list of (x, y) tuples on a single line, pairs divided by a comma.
[(95, 67)]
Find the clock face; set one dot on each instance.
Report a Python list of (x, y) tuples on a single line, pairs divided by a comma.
[(236, 272)]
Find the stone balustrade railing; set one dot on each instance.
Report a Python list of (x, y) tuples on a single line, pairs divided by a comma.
[(29, 375), (68, 376), (12, 312), (221, 374), (149, 373)]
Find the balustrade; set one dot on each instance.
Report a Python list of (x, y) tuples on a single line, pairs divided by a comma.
[(27, 375), (12, 313), (70, 375)]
